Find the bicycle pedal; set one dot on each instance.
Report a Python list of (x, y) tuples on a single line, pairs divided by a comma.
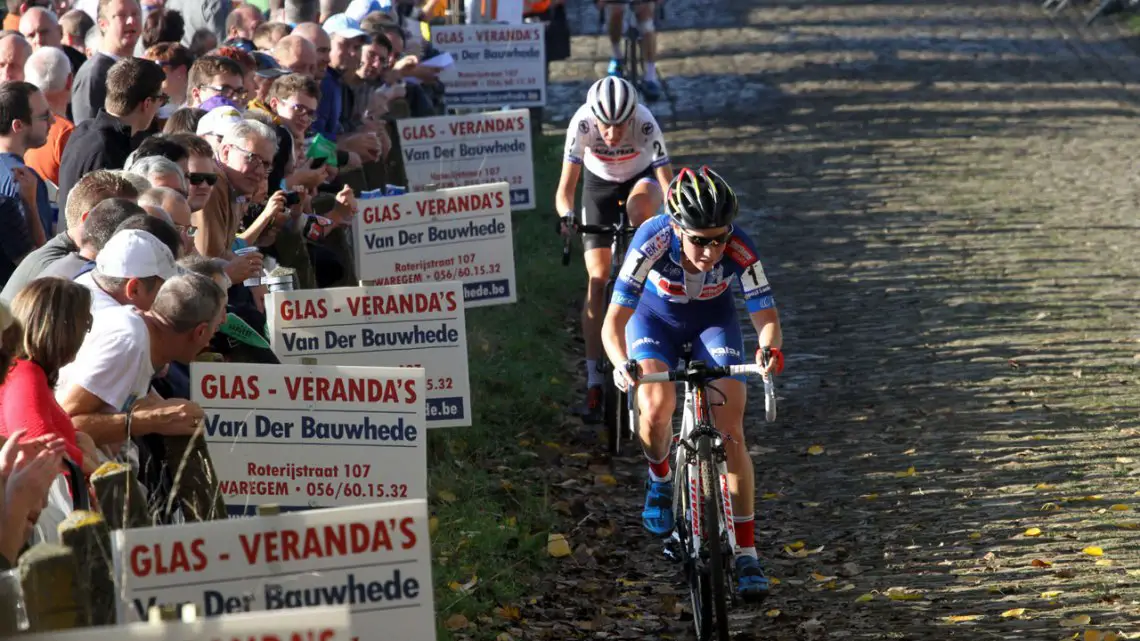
[(672, 548)]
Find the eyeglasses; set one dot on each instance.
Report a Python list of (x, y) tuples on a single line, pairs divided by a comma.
[(300, 110), (189, 230), (709, 241), (251, 157), (197, 178), (225, 90), (161, 98)]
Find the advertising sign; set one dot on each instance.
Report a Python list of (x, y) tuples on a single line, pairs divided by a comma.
[(310, 624), (302, 436), (474, 149), (399, 326), (495, 65), (375, 559), (459, 234)]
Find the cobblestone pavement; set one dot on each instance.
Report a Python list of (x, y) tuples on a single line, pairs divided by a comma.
[(948, 229)]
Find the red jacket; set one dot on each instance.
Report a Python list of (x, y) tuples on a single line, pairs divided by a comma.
[(28, 403)]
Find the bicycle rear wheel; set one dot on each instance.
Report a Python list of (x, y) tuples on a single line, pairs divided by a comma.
[(713, 540)]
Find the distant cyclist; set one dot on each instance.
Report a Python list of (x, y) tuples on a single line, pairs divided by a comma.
[(623, 150), (615, 22), (675, 288)]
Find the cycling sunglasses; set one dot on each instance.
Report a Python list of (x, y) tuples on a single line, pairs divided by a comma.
[(707, 241), (199, 178)]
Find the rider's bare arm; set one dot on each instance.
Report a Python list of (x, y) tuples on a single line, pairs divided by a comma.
[(664, 176), (767, 324), (613, 332), (567, 187)]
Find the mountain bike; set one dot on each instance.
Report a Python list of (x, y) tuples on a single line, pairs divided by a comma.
[(704, 538), (633, 62), (615, 403)]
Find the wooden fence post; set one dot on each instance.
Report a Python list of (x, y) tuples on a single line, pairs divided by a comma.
[(89, 538), (53, 598), (120, 496)]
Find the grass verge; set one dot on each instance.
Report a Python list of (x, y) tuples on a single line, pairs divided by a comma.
[(491, 516)]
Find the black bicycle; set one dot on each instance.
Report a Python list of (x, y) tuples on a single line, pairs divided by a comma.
[(704, 538), (633, 64), (615, 403)]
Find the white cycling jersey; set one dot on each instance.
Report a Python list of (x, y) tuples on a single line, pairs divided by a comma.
[(642, 146)]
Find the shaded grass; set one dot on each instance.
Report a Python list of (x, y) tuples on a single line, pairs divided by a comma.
[(492, 514)]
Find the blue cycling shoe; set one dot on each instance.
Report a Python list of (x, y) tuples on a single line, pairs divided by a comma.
[(657, 517), (752, 583), (651, 89), (614, 68)]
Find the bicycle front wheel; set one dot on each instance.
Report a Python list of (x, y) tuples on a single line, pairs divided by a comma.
[(712, 535)]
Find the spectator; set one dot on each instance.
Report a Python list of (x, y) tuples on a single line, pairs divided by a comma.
[(75, 24), (110, 377), (119, 24), (130, 268), (15, 243), (134, 95), (175, 61), (214, 126), (101, 223), (267, 71), (268, 34), (296, 12), (293, 99), (160, 172), (160, 145), (329, 8), (92, 189), (175, 205), (243, 21), (161, 26), (40, 28), (14, 52), (16, 9), (212, 76), (49, 70), (55, 314), (184, 120), (202, 42), (28, 468), (245, 156), (202, 16), (328, 112), (25, 120), (247, 65), (203, 173), (296, 54), (138, 182)]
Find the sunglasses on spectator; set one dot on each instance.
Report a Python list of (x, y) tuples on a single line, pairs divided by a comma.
[(196, 178), (225, 90), (707, 241)]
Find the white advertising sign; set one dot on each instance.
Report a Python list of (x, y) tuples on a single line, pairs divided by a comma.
[(302, 436), (475, 149), (459, 234), (399, 326), (310, 624), (375, 558), (495, 65)]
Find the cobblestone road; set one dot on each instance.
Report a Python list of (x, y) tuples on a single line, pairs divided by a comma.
[(948, 229)]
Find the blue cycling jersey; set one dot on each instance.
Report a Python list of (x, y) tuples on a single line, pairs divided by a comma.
[(654, 259)]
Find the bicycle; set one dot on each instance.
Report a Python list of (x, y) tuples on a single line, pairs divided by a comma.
[(700, 505), (633, 65), (615, 403)]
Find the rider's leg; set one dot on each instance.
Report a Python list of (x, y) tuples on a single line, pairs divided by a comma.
[(644, 13), (649, 342), (643, 201), (656, 403), (598, 258), (616, 15)]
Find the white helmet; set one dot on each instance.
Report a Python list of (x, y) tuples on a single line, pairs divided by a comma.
[(612, 99)]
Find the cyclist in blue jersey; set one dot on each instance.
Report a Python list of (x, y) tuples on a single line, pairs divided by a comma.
[(674, 288)]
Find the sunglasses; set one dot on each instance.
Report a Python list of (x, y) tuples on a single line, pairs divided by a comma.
[(199, 178), (709, 241)]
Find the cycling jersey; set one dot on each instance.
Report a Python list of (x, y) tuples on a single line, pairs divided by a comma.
[(642, 146), (681, 308)]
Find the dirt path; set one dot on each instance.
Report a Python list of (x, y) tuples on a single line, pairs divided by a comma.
[(949, 230)]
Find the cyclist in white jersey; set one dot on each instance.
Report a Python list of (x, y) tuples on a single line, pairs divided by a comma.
[(623, 150)]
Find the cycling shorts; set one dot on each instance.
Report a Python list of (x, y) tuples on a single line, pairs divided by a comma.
[(602, 203), (716, 339)]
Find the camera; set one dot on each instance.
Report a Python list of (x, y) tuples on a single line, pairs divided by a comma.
[(292, 198)]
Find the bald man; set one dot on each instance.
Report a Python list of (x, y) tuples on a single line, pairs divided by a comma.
[(313, 32), (327, 120), (296, 54), (40, 28), (14, 53)]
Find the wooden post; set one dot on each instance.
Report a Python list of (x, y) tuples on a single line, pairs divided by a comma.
[(11, 604), (120, 496), (195, 484), (89, 538), (49, 577)]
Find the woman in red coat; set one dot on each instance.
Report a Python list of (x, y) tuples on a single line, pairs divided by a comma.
[(55, 315)]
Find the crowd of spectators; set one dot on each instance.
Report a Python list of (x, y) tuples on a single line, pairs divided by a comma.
[(156, 163)]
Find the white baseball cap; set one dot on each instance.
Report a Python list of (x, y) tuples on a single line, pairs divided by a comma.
[(357, 9), (218, 121), (344, 26), (134, 253)]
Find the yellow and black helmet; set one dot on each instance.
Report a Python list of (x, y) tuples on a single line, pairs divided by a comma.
[(700, 200)]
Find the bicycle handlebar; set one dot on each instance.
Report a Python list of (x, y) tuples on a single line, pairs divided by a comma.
[(621, 228), (695, 375)]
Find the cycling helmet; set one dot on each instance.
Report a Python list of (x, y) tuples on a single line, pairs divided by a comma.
[(700, 200), (612, 100)]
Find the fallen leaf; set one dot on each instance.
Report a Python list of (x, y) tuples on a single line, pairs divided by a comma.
[(1038, 563), (910, 451), (798, 545), (1049, 507), (1043, 486), (1079, 620), (821, 577), (773, 580), (1033, 531), (456, 622), (504, 636), (772, 614), (1119, 507), (1128, 525), (768, 496), (863, 598), (433, 525), (909, 472), (904, 594), (809, 504), (974, 536), (1013, 614), (869, 497), (557, 546), (1093, 635), (446, 496), (1052, 594), (1093, 550), (1104, 562), (815, 450), (456, 586), (961, 618), (605, 479), (509, 612)]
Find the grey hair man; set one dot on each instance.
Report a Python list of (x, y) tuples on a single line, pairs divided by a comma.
[(176, 207), (126, 347), (160, 172), (244, 158), (50, 71), (140, 183), (14, 52), (40, 28)]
